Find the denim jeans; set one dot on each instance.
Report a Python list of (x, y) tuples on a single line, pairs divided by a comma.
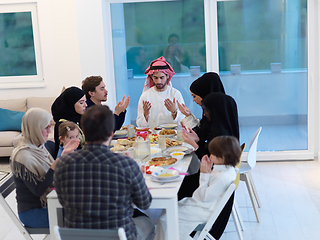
[(36, 218)]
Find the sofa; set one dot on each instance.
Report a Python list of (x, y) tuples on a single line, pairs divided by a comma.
[(21, 105)]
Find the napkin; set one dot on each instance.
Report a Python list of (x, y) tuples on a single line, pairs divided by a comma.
[(180, 173)]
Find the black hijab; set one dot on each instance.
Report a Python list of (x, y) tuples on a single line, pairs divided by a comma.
[(207, 83), (223, 115), (223, 120), (63, 108)]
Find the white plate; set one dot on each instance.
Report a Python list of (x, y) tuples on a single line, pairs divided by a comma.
[(169, 135), (185, 147), (169, 125), (164, 180), (159, 175), (154, 151), (168, 165), (120, 133)]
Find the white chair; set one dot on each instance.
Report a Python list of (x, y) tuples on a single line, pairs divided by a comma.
[(245, 172), (204, 228), (235, 210), (86, 234), (5, 189)]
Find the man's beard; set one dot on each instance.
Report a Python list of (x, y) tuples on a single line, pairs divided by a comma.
[(161, 86)]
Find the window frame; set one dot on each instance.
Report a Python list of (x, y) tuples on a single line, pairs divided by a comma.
[(27, 81), (211, 38)]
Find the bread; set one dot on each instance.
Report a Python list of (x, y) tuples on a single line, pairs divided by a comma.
[(162, 161)]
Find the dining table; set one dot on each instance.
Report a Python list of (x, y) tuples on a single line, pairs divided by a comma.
[(164, 196)]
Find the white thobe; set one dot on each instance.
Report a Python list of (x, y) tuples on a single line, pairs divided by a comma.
[(158, 112), (195, 210)]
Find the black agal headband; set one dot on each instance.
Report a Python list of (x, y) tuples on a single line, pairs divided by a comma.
[(159, 67)]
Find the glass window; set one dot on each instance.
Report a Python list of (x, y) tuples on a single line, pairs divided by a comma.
[(18, 45), (263, 65), (262, 50), (19, 48), (174, 30), (145, 31)]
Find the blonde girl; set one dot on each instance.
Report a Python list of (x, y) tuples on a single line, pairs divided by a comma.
[(67, 131)]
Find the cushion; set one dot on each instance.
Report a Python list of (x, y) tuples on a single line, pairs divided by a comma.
[(14, 104), (10, 120), (6, 138), (40, 102)]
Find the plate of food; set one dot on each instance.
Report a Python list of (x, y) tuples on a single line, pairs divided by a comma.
[(162, 161), (164, 180), (173, 143), (167, 132), (153, 138), (122, 145), (186, 148), (169, 125), (165, 174)]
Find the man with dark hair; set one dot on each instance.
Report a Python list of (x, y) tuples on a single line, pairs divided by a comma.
[(96, 92), (97, 187)]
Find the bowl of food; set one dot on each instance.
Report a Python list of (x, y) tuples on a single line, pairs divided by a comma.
[(166, 174), (177, 155), (154, 151)]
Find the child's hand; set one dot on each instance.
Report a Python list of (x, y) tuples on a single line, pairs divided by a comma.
[(71, 146), (206, 164)]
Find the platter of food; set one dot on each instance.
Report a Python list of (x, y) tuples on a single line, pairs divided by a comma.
[(184, 147), (172, 143), (169, 125), (122, 145), (153, 138), (165, 175), (168, 132), (162, 161)]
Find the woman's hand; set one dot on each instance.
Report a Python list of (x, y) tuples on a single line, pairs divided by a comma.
[(192, 134), (190, 137), (183, 109), (206, 164), (71, 146)]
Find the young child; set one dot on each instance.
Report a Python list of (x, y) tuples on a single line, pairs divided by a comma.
[(224, 155), (67, 131)]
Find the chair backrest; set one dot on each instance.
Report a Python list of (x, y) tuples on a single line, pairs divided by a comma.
[(236, 182), (216, 211), (92, 234), (50, 146), (5, 189), (252, 154)]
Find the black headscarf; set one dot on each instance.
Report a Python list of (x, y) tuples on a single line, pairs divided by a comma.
[(204, 85), (223, 115), (207, 83), (63, 108)]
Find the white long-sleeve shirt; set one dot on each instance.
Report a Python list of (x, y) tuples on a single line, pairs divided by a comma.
[(194, 210), (158, 112)]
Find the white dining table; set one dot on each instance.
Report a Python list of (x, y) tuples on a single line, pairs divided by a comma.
[(164, 196)]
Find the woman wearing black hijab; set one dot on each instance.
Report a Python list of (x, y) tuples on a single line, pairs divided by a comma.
[(70, 105), (199, 89)]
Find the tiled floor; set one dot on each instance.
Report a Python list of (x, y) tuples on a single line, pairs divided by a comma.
[(290, 197)]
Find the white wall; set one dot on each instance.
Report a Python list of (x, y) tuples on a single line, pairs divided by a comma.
[(59, 46)]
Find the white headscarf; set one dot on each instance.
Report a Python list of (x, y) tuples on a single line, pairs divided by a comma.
[(30, 160)]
